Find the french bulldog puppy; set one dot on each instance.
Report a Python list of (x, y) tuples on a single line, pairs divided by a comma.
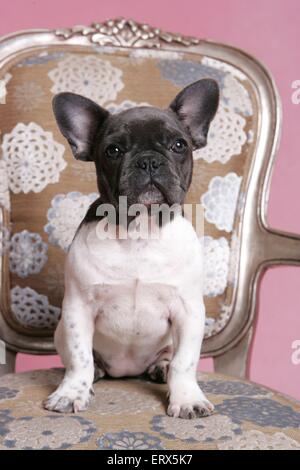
[(135, 306)]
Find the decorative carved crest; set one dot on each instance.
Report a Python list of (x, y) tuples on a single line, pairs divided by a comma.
[(126, 33)]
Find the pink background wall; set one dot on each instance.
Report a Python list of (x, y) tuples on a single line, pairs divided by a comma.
[(268, 29)]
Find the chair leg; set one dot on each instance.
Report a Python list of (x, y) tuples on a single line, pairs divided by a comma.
[(9, 362), (234, 361)]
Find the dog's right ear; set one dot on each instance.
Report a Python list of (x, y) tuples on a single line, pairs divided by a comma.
[(79, 119)]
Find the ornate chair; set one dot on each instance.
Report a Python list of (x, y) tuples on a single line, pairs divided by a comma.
[(44, 193)]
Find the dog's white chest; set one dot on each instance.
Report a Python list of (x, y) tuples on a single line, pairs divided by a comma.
[(130, 286)]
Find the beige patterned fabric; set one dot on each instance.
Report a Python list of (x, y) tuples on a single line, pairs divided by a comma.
[(45, 192), (131, 414)]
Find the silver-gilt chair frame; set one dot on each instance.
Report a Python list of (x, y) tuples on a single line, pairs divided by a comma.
[(261, 246)]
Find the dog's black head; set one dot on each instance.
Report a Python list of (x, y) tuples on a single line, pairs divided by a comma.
[(143, 153)]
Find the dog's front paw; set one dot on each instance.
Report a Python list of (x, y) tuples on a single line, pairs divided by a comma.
[(189, 402), (159, 372), (68, 401), (198, 409)]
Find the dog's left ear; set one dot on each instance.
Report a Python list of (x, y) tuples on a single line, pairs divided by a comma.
[(196, 106)]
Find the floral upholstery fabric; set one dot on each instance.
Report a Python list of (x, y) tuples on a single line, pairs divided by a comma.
[(130, 414), (45, 192)]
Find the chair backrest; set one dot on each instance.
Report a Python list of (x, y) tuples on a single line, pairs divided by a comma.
[(44, 192)]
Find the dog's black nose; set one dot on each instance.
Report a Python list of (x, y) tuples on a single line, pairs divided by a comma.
[(149, 164)]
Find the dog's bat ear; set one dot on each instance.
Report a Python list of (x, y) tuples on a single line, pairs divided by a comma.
[(78, 119), (196, 106)]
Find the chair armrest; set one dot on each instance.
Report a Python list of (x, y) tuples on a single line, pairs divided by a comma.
[(281, 247)]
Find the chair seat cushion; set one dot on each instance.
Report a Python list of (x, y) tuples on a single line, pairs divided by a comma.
[(131, 414)]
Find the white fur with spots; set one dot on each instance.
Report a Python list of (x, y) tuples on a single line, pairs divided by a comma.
[(136, 303)]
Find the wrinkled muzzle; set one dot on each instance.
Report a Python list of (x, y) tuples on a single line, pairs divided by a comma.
[(151, 178)]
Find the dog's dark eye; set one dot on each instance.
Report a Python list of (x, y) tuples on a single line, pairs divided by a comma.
[(113, 151), (179, 146)]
